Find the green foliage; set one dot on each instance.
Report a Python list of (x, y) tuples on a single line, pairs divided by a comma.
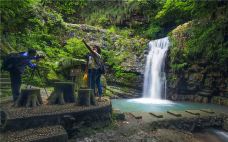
[(39, 24), (207, 41), (206, 37), (14, 13), (102, 13), (76, 48), (177, 57), (66, 7), (153, 31), (178, 67), (177, 8)]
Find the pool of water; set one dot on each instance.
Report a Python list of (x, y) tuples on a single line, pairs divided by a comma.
[(149, 105)]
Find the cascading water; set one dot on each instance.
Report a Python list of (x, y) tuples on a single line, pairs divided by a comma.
[(155, 77)]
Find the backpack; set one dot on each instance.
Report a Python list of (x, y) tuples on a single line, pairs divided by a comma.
[(100, 63), (11, 61), (102, 68)]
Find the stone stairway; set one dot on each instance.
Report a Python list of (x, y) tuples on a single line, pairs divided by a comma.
[(205, 92), (5, 85)]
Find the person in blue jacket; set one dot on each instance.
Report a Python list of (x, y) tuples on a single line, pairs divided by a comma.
[(18, 69)]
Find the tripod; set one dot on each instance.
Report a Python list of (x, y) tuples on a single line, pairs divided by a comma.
[(36, 70)]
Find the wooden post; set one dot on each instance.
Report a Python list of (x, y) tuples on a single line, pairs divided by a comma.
[(29, 97), (64, 92), (86, 97)]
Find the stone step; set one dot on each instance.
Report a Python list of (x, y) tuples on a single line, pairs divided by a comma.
[(158, 115), (4, 75), (4, 79), (5, 85), (5, 93), (136, 115), (5, 90), (207, 110), (191, 88), (174, 113), (6, 99), (202, 93), (206, 90), (193, 112)]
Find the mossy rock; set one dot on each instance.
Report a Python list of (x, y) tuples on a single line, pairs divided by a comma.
[(65, 63)]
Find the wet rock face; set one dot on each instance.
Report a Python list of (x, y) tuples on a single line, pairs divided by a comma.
[(206, 82), (201, 76)]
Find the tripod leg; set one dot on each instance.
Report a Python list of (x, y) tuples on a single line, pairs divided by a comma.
[(38, 72), (31, 77)]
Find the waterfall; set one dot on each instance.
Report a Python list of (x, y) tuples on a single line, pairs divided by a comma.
[(154, 76)]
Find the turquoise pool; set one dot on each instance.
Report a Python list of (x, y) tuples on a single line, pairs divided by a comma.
[(149, 105)]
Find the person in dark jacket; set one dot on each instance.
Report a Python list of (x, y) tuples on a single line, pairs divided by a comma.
[(18, 69)]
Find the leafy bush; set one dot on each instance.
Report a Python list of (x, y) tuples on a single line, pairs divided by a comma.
[(76, 48)]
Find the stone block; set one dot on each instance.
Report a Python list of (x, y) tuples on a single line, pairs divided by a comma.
[(174, 113)]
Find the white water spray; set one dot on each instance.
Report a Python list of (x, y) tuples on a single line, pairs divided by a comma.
[(154, 76)]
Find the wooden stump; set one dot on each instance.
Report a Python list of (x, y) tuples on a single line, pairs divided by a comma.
[(64, 92), (29, 97), (86, 97)]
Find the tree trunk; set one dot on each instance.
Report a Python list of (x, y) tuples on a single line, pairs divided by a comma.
[(86, 97), (29, 97), (56, 97)]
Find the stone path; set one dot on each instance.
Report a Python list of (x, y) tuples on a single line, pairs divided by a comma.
[(185, 120), (5, 84), (135, 129)]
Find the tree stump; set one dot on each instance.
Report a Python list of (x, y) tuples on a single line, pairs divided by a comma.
[(29, 97), (56, 97), (86, 97), (64, 92)]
